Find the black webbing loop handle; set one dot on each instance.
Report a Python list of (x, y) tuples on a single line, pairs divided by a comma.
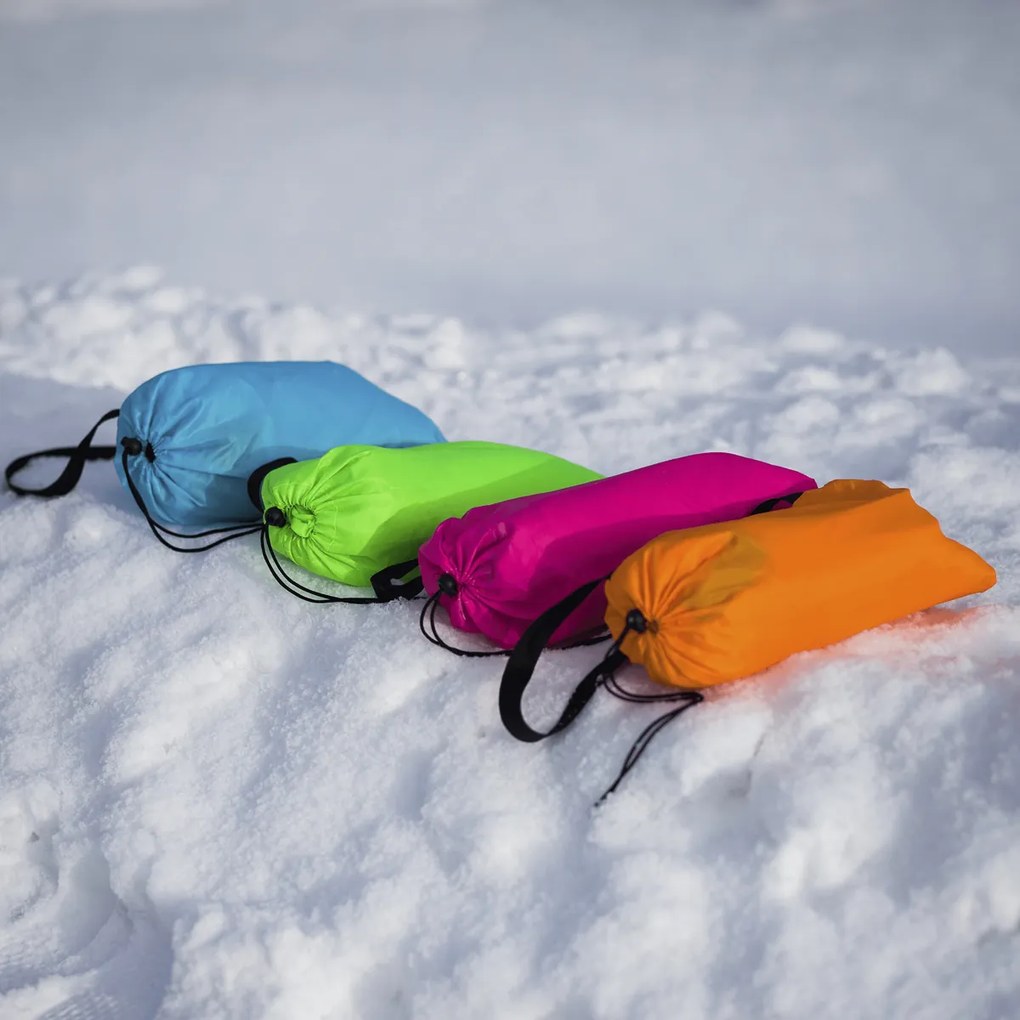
[(382, 582), (524, 658), (770, 504), (258, 476), (77, 457), (388, 583), (522, 664)]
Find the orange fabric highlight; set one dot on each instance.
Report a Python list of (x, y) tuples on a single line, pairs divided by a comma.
[(727, 600)]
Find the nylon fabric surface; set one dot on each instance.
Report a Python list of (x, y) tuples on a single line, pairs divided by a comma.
[(725, 601), (359, 509), (210, 426), (514, 560)]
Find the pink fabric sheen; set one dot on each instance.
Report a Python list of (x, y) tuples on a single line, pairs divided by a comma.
[(513, 560)]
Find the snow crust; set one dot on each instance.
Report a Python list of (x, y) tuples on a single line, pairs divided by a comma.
[(217, 801)]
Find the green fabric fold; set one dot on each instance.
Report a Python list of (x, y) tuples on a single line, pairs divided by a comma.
[(360, 509)]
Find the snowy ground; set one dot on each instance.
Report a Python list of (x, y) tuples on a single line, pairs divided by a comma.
[(217, 801)]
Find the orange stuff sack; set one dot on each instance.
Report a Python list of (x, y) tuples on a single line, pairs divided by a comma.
[(727, 600), (712, 604)]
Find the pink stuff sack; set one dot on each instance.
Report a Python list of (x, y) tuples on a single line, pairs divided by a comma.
[(499, 567)]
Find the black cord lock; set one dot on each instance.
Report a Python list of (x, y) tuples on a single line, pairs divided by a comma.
[(448, 584), (275, 517), (132, 446), (636, 621)]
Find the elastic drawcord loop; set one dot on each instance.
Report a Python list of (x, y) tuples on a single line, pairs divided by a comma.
[(447, 585), (132, 447), (638, 748)]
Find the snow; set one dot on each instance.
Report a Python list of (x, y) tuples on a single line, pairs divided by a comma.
[(620, 233), (219, 801)]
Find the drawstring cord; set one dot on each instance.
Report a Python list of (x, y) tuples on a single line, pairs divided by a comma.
[(447, 585), (524, 657), (274, 517), (132, 447), (606, 678), (646, 736), (429, 610)]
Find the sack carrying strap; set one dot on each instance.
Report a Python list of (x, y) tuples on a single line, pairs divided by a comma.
[(77, 457), (385, 584), (524, 658)]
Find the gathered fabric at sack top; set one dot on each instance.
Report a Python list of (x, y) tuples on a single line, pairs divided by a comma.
[(208, 427), (358, 510), (722, 602), (188, 439), (498, 567), (713, 604)]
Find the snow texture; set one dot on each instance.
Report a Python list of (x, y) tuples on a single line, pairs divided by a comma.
[(217, 801)]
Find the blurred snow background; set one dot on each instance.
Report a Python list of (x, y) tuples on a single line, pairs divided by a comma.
[(853, 163)]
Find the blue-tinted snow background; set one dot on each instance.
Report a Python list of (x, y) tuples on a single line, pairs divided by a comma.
[(619, 232), (851, 162)]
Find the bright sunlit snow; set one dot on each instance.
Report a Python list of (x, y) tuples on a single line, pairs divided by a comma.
[(218, 801)]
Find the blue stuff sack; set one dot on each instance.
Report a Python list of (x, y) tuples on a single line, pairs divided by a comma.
[(188, 439)]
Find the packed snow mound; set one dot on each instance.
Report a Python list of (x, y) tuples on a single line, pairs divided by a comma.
[(216, 800)]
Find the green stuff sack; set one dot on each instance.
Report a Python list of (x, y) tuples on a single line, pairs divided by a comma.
[(360, 512)]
